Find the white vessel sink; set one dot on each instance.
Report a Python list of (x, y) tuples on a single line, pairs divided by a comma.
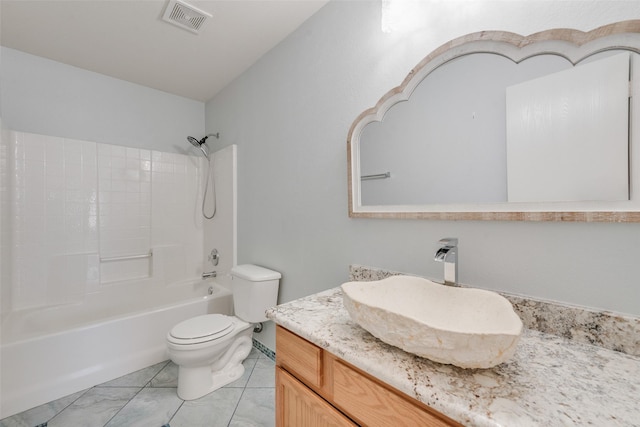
[(465, 327)]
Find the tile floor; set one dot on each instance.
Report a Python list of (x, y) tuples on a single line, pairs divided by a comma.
[(147, 398)]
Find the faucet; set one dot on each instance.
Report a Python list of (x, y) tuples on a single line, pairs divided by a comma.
[(448, 254), (209, 274)]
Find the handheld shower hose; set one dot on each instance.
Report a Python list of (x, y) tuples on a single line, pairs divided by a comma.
[(205, 150)]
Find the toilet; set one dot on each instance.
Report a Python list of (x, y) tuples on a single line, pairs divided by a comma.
[(209, 349)]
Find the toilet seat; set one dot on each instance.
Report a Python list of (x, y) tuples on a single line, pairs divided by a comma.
[(201, 329)]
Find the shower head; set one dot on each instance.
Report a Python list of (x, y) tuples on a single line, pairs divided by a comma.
[(200, 144), (193, 141)]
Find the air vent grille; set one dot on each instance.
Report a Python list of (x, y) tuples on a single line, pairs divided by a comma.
[(185, 16)]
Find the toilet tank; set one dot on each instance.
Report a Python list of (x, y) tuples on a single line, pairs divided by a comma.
[(255, 289)]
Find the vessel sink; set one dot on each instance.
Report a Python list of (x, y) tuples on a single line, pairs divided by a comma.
[(465, 327)]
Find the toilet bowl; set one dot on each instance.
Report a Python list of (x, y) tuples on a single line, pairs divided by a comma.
[(209, 349)]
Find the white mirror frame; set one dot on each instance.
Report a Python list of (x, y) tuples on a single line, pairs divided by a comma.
[(574, 45)]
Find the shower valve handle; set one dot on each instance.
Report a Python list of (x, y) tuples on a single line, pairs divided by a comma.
[(214, 257)]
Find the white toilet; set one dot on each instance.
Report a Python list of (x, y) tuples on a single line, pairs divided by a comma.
[(209, 349)]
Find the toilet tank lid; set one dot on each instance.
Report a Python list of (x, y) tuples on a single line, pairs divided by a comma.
[(254, 273)]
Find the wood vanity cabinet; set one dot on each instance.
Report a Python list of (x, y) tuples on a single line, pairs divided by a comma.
[(314, 388)]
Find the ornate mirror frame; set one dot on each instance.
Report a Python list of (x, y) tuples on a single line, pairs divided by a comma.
[(574, 45)]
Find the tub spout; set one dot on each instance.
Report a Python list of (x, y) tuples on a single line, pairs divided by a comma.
[(208, 274)]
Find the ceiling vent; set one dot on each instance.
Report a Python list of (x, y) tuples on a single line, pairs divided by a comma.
[(185, 16)]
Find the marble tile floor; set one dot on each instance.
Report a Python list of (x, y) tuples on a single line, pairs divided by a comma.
[(147, 398)]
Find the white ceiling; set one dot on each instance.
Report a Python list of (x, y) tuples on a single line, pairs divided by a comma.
[(129, 40)]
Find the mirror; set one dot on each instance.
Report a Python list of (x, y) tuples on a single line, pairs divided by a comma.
[(442, 145)]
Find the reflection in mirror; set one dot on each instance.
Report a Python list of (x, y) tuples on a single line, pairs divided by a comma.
[(443, 154), (568, 134), (448, 143)]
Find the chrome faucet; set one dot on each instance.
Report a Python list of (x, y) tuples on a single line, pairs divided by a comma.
[(209, 274), (448, 254)]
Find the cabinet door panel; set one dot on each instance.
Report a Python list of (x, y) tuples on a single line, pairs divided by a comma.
[(371, 404), (297, 405), (299, 356)]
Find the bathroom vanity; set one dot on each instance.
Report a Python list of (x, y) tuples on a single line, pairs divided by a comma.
[(315, 388), (332, 372)]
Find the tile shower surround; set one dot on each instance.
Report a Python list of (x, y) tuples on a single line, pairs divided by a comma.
[(70, 202)]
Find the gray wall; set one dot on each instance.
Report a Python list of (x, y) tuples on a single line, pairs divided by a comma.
[(290, 114), (50, 98)]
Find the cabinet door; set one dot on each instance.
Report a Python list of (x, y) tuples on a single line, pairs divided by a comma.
[(374, 405), (297, 405), (299, 356)]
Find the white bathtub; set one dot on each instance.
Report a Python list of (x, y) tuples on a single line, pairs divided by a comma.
[(49, 353)]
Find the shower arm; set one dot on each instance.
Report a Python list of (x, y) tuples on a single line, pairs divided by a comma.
[(205, 149), (203, 140)]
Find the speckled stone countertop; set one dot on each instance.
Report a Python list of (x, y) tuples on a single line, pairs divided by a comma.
[(551, 381)]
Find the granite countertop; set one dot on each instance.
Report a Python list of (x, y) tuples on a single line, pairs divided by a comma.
[(550, 381)]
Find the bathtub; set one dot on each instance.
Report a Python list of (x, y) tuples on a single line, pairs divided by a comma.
[(49, 353)]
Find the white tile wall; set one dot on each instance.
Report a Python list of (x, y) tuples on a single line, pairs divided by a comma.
[(5, 224), (69, 203), (124, 189), (176, 197)]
